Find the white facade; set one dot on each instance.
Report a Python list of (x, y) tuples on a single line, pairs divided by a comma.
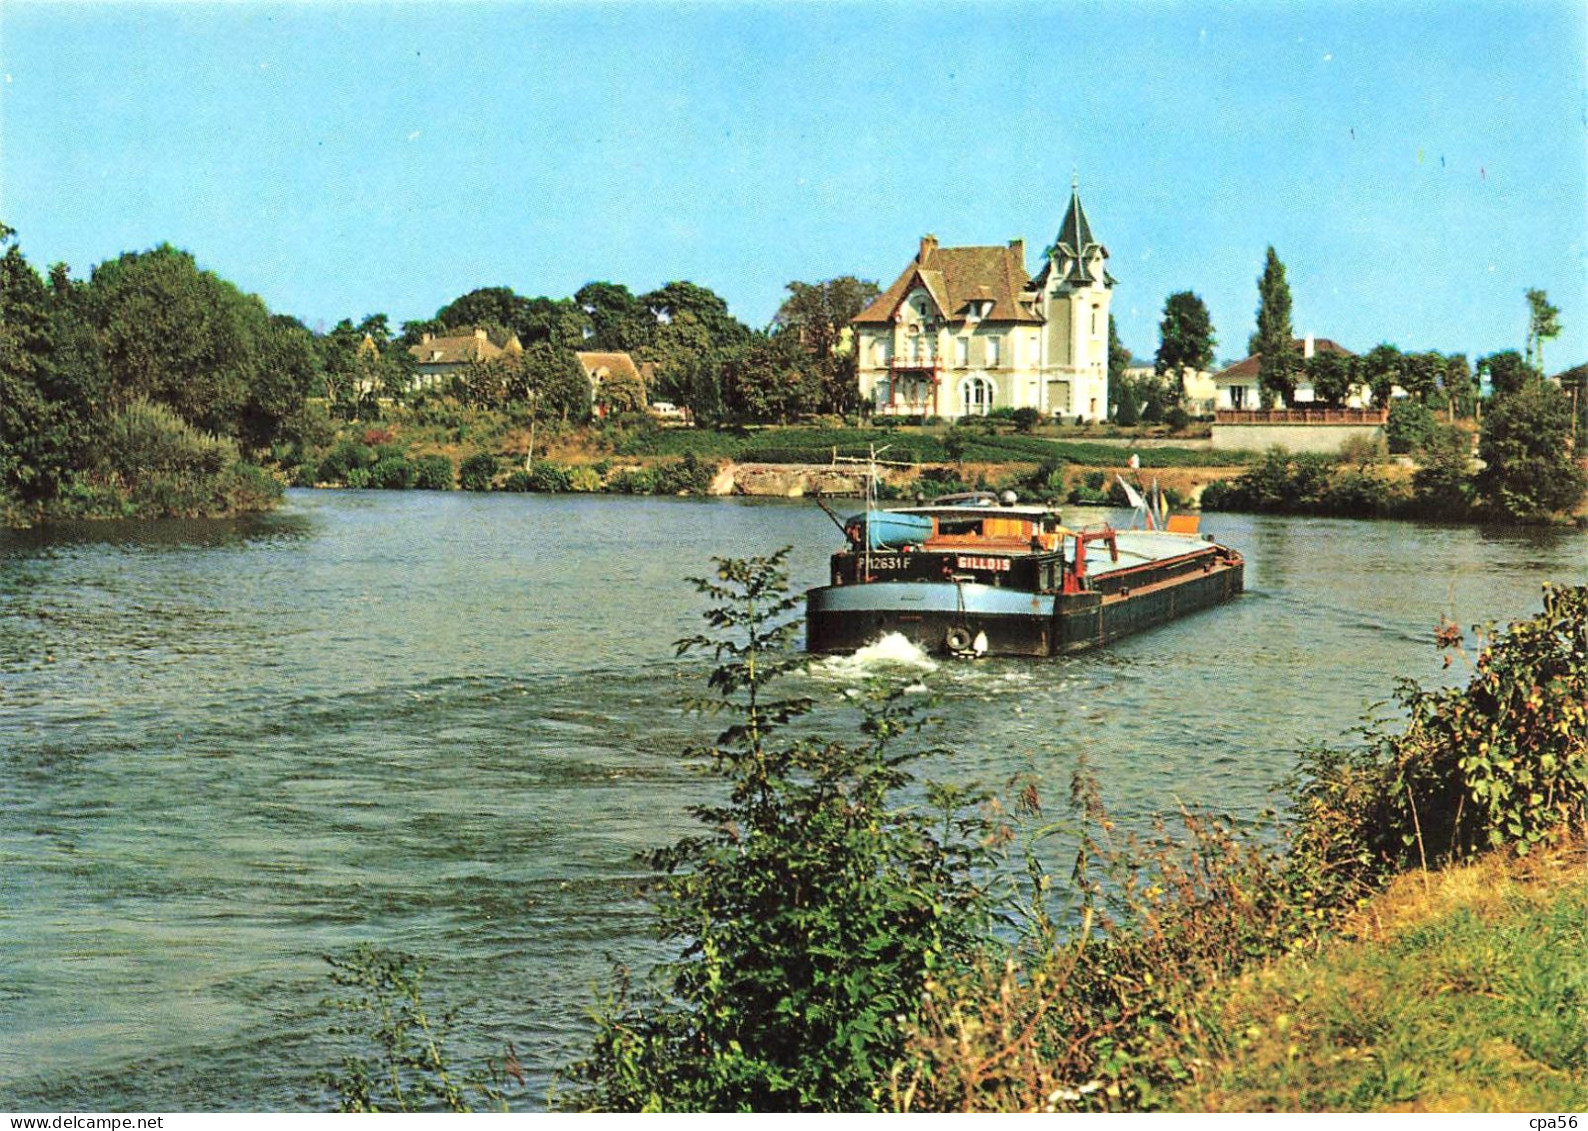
[(966, 330)]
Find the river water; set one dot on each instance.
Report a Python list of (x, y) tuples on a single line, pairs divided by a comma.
[(445, 724)]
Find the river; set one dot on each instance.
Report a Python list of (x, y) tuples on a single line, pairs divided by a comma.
[(445, 723)]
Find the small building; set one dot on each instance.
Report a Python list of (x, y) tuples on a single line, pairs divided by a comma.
[(1236, 387), (439, 357), (966, 330), (603, 367)]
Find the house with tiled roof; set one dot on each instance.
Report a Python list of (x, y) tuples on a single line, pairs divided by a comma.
[(1237, 386), (965, 330), (440, 356), (601, 367)]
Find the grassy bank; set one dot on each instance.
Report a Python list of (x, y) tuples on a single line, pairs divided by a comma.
[(1464, 990)]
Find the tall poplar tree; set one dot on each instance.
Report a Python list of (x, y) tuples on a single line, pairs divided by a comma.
[(1543, 323), (1273, 338)]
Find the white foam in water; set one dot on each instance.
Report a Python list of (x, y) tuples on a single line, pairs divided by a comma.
[(893, 653)]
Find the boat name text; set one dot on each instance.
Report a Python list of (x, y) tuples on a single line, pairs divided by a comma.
[(965, 561)]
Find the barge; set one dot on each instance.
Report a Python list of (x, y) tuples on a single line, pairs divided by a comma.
[(974, 575)]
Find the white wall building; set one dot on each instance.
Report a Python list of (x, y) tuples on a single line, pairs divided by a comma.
[(965, 330)]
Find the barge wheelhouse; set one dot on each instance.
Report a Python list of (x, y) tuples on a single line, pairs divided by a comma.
[(970, 576)]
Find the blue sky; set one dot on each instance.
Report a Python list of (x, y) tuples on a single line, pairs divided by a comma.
[(1417, 166)]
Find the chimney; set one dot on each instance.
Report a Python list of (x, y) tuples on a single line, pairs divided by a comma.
[(426, 339), (1019, 248), (1307, 347), (928, 245)]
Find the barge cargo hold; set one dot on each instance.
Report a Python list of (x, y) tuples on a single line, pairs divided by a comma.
[(990, 579)]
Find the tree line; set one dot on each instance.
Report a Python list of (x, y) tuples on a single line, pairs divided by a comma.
[(155, 387), (702, 357)]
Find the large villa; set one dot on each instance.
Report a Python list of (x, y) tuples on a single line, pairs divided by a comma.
[(965, 330)]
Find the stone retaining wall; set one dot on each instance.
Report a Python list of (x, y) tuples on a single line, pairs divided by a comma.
[(1325, 438)]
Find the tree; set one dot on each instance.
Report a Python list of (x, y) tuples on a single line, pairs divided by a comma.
[(1185, 337), (175, 335), (1127, 412), (1118, 363), (1331, 375), (1422, 374), (681, 301), (819, 314), (487, 306), (555, 383), (615, 320), (1507, 372), (1273, 338), (1525, 445), (1543, 323), (1277, 367), (1461, 387), (1273, 307), (40, 436), (770, 380), (620, 393), (1381, 371), (1410, 425)]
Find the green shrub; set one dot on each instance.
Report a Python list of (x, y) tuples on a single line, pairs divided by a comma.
[(1503, 761), (144, 438), (812, 910), (549, 478), (394, 473), (1442, 485), (477, 472), (1409, 427), (358, 478), (305, 475), (1026, 419), (433, 473), (688, 476), (1360, 493), (632, 481), (518, 481), (584, 479), (342, 460), (383, 993)]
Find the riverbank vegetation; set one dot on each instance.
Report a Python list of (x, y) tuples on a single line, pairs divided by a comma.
[(844, 943), (1524, 468), (151, 388), (91, 369)]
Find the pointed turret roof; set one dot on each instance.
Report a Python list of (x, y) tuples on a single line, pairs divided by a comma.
[(1075, 246)]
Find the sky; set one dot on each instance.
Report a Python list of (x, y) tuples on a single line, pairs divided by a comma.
[(1416, 166)]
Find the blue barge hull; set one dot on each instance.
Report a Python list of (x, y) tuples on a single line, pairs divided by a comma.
[(940, 615)]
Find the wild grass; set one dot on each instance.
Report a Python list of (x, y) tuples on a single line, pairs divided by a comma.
[(1464, 990)]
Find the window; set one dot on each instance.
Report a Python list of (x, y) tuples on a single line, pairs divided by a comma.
[(992, 352), (961, 352), (976, 396), (1094, 321)]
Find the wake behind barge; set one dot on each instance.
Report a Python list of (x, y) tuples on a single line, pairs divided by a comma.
[(970, 577)]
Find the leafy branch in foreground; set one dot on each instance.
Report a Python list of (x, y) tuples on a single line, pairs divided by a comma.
[(383, 990), (810, 912)]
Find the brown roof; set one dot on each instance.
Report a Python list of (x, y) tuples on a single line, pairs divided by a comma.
[(460, 349), (956, 276), (600, 366), (1249, 366)]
